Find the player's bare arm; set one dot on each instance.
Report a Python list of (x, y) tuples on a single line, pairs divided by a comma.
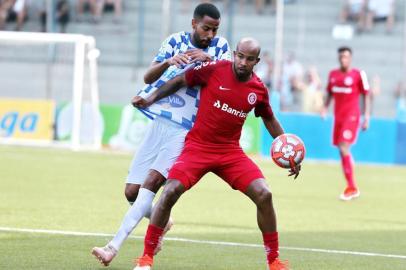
[(275, 129), (367, 112), (197, 55), (327, 102), (166, 90), (273, 126), (157, 69)]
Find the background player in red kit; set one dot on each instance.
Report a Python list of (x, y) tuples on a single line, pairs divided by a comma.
[(345, 85), (230, 90)]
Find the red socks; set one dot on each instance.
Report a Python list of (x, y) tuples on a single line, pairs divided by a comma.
[(348, 169), (271, 245), (152, 239)]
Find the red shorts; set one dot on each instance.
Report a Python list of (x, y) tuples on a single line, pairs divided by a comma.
[(345, 130), (229, 163)]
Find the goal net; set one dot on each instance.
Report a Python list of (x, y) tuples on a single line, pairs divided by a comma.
[(49, 90)]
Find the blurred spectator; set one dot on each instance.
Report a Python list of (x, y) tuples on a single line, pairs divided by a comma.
[(12, 10), (108, 5), (264, 70), (61, 14), (259, 6), (375, 89), (85, 5), (312, 94), (380, 10), (293, 70), (354, 10), (292, 78), (400, 95)]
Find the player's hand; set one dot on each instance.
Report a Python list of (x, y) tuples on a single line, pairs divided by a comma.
[(323, 112), (365, 123), (197, 55), (140, 102), (179, 60), (295, 171)]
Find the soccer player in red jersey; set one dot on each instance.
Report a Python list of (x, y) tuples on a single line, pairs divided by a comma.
[(230, 90), (345, 86)]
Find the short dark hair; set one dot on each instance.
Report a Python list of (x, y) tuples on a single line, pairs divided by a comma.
[(206, 9), (344, 49)]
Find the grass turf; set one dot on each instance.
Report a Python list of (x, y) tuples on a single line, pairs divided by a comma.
[(62, 190)]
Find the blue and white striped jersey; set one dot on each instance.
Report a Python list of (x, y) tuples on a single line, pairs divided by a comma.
[(180, 107)]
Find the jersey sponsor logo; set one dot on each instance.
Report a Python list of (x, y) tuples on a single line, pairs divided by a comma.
[(224, 88), (252, 98), (174, 101), (342, 90), (348, 81), (226, 108)]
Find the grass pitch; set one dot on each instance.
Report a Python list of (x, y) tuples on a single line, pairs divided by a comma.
[(60, 190)]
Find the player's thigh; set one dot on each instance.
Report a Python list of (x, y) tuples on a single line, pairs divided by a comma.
[(145, 155), (191, 166), (172, 145), (346, 131), (238, 170)]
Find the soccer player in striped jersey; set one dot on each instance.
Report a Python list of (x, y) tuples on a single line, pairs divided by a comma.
[(173, 117), (346, 85)]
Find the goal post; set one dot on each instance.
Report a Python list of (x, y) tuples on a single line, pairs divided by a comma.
[(84, 79)]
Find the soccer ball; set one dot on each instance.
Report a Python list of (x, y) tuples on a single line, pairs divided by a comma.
[(287, 150)]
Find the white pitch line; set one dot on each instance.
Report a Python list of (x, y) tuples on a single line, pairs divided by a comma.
[(317, 250)]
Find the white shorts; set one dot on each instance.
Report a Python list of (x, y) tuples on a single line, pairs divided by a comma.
[(160, 148)]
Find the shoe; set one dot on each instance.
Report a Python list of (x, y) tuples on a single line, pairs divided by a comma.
[(144, 263), (161, 239), (350, 193), (279, 265), (104, 254)]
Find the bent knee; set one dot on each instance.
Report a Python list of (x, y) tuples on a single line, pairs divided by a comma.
[(264, 197), (131, 192), (172, 191), (154, 181)]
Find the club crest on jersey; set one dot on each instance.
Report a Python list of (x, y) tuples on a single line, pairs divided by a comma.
[(348, 81), (347, 134), (252, 98), (174, 101)]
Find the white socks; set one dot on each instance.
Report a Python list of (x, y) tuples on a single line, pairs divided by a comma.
[(142, 207)]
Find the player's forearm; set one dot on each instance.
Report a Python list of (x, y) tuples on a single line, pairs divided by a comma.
[(327, 100), (168, 89), (273, 126), (367, 106), (155, 71)]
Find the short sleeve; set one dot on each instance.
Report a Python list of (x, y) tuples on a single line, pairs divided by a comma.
[(199, 74), (263, 108), (167, 49), (364, 85), (329, 83), (225, 53)]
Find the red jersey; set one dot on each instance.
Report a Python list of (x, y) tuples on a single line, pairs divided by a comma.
[(224, 103), (346, 88)]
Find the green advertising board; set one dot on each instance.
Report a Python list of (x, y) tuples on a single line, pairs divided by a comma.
[(250, 136), (124, 127)]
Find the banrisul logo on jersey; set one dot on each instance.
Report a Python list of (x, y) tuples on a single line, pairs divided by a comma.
[(226, 108), (174, 101)]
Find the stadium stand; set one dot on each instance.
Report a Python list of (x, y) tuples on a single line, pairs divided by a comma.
[(307, 32)]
